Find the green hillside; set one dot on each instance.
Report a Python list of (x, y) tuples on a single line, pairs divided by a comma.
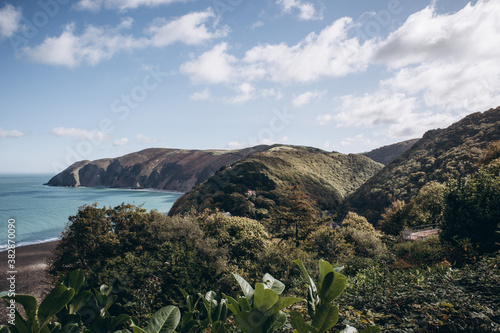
[(441, 155), (387, 154), (255, 185)]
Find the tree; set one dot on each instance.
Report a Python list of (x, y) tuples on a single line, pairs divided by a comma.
[(296, 218), (472, 210)]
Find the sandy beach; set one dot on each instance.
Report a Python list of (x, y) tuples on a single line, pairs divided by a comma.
[(31, 272)]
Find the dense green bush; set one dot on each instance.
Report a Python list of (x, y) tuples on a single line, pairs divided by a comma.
[(148, 257), (472, 211), (421, 254)]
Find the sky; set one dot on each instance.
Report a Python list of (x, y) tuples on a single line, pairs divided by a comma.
[(90, 79)]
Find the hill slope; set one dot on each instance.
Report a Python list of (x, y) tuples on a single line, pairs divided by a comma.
[(387, 154), (158, 168), (325, 177), (440, 155)]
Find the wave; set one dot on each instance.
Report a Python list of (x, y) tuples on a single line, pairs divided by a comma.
[(3, 248)]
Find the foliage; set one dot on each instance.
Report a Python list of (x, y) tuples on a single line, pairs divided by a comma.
[(366, 240), (441, 155), (320, 295), (325, 177), (394, 218), (69, 308), (296, 219), (433, 299), (420, 254), (242, 237), (330, 244), (426, 208), (150, 258), (472, 211), (259, 310)]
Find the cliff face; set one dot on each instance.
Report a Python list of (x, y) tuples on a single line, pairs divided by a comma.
[(157, 168)]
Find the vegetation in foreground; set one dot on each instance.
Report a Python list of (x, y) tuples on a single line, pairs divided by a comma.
[(151, 262)]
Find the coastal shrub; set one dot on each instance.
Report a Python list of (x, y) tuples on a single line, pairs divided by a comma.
[(359, 232), (149, 257), (244, 238), (330, 244), (394, 218), (472, 211), (423, 254)]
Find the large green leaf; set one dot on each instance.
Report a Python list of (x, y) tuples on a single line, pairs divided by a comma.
[(244, 304), (79, 301), (336, 288), (164, 320), (312, 291), (245, 287), (29, 304), (324, 269), (326, 317), (233, 305), (264, 298), (59, 297), (271, 283), (250, 321), (275, 322), (300, 325), (76, 279), (282, 303)]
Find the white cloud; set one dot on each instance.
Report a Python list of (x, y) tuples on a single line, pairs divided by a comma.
[(307, 97), (256, 25), (122, 5), (121, 142), (452, 60), (80, 134), (213, 66), (327, 54), (234, 145), (396, 112), (200, 96), (10, 20), (145, 139), (358, 140), (189, 29), (96, 44), (10, 133), (307, 11), (380, 108), (324, 119), (248, 92)]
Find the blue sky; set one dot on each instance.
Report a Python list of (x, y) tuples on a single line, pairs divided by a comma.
[(90, 79)]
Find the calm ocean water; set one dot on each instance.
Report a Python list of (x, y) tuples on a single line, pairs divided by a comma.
[(41, 212)]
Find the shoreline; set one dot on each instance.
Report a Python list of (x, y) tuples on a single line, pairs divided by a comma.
[(28, 243), (31, 264)]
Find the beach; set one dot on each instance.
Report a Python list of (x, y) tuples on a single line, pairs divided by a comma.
[(31, 275)]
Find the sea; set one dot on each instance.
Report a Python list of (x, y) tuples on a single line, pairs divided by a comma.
[(39, 213)]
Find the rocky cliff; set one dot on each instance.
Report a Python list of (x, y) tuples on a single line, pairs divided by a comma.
[(156, 168)]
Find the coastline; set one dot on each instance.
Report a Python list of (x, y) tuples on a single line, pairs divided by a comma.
[(31, 269)]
